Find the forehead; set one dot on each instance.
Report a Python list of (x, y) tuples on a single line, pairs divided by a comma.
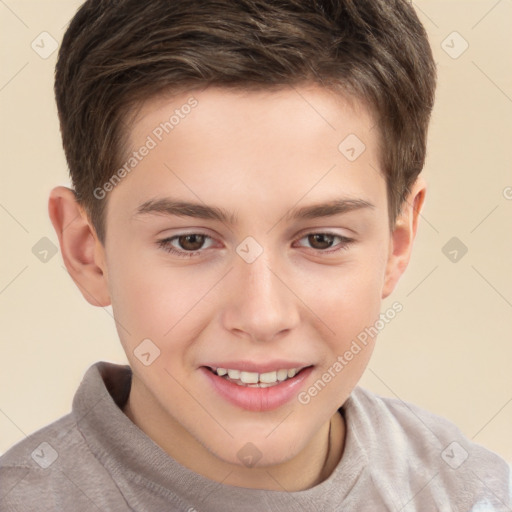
[(253, 147), (311, 103)]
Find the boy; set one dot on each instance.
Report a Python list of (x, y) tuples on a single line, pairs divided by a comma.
[(288, 138)]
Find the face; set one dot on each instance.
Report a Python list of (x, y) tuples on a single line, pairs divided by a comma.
[(254, 275)]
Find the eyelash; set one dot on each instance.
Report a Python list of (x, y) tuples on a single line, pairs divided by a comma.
[(165, 244)]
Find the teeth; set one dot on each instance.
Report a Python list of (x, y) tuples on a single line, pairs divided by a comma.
[(282, 374), (248, 377), (253, 379), (268, 377), (234, 374)]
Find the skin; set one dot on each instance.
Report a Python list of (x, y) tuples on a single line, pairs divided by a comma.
[(257, 155)]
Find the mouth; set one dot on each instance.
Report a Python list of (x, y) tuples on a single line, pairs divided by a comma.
[(255, 391), (255, 379)]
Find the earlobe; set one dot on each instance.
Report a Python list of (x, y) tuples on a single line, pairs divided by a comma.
[(403, 235), (81, 250)]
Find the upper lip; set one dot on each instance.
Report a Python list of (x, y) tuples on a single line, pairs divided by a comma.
[(251, 366)]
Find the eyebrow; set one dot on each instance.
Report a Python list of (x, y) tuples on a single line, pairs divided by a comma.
[(170, 206)]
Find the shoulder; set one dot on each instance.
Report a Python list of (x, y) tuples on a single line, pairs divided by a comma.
[(403, 440), (28, 468), (51, 469)]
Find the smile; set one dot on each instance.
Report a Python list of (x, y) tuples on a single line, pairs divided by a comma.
[(254, 379), (254, 391)]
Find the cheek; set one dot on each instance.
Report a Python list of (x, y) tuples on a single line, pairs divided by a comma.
[(156, 301), (347, 297), (347, 311), (347, 302)]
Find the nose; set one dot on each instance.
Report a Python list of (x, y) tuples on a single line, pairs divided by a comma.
[(262, 304)]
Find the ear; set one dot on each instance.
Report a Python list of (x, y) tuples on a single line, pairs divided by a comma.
[(403, 235), (81, 250)]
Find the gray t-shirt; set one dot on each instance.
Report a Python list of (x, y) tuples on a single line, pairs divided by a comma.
[(397, 457)]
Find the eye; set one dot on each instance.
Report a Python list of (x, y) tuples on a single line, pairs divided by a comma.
[(324, 241), (192, 243)]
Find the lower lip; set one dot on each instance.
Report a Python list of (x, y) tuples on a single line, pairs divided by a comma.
[(257, 399)]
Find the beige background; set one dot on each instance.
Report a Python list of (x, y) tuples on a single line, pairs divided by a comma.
[(450, 349)]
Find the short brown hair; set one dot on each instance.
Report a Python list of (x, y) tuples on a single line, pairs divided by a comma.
[(117, 53)]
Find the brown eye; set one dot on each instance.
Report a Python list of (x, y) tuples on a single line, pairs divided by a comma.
[(320, 241), (192, 242), (187, 244)]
